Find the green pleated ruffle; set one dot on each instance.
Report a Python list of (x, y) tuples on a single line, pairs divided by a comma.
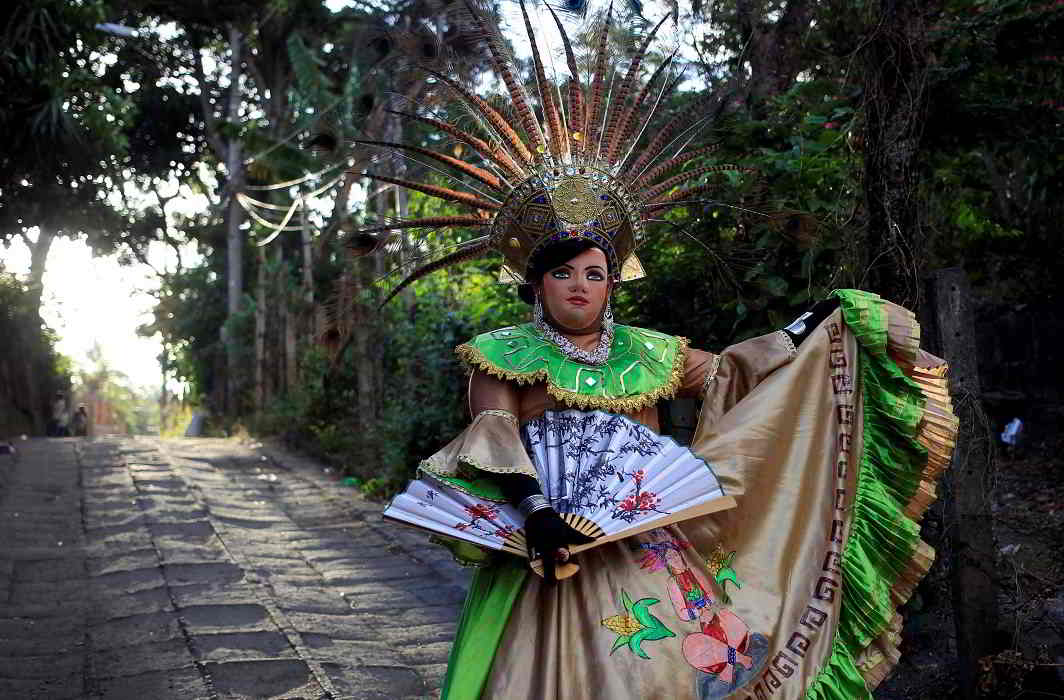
[(884, 544)]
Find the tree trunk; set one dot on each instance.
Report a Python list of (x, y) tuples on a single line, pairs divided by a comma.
[(363, 346), (402, 200), (968, 482), (164, 398), (776, 50), (234, 219), (897, 63), (291, 345), (38, 260), (38, 405), (310, 315), (276, 349), (260, 331)]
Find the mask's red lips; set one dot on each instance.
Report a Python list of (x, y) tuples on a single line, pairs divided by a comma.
[(578, 301)]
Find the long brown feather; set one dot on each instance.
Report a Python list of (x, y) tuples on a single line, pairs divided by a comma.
[(470, 170), (546, 97), (672, 163), (429, 222), (662, 137), (631, 115), (654, 192), (576, 90), (444, 193), (484, 108), (612, 135), (478, 250), (485, 149), (598, 84), (503, 70), (678, 198)]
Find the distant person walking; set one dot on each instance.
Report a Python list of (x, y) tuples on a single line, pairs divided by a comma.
[(60, 417), (80, 422)]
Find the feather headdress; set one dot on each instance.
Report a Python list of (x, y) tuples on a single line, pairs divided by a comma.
[(562, 161)]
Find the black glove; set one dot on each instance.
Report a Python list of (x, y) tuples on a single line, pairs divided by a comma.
[(802, 326), (548, 538), (545, 531)]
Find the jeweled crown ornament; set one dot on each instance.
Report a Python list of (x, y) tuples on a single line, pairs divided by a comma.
[(579, 174)]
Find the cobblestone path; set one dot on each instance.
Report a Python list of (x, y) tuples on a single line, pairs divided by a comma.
[(151, 570)]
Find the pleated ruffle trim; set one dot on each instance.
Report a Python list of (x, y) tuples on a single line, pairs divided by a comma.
[(908, 439)]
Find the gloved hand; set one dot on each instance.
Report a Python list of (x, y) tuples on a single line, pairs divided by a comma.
[(801, 327), (546, 534), (548, 538)]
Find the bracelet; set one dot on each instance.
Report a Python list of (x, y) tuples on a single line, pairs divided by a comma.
[(511, 418), (530, 504)]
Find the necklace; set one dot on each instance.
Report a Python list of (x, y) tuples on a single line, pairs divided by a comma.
[(598, 356)]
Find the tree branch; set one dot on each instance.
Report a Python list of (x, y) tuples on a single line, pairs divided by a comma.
[(143, 259), (213, 137), (163, 201), (258, 77), (745, 13)]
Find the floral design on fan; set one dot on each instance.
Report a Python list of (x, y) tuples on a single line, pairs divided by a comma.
[(480, 512), (637, 503), (588, 487)]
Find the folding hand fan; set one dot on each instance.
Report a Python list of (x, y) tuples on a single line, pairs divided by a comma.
[(608, 477)]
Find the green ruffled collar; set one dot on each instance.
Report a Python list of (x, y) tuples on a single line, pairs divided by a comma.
[(644, 366)]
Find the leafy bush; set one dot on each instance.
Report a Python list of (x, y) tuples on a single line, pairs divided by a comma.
[(31, 370), (421, 388)]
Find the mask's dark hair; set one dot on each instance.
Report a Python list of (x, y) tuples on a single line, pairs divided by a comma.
[(550, 257)]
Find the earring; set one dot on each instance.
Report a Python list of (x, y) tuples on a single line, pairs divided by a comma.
[(537, 311)]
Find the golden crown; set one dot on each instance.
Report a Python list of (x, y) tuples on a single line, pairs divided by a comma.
[(579, 174)]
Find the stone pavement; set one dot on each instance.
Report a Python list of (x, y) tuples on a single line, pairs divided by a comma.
[(197, 568)]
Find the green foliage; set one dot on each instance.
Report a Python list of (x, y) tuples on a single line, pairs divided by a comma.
[(136, 411), (31, 370), (767, 246), (717, 273), (995, 146), (311, 84), (175, 419), (189, 316), (744, 263), (421, 381), (62, 127)]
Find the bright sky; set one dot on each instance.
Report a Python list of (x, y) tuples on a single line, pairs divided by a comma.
[(89, 299)]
